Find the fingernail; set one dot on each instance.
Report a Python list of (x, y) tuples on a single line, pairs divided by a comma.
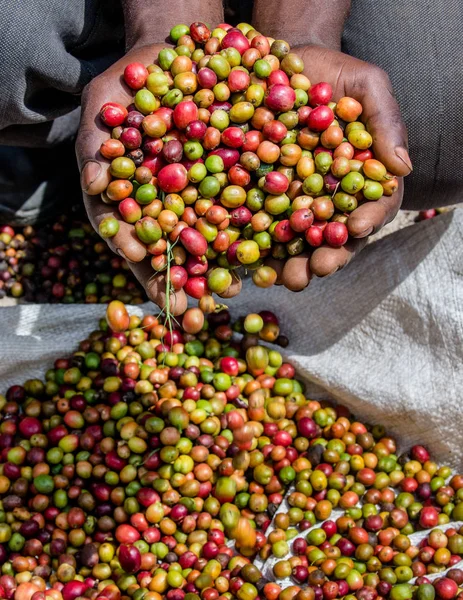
[(403, 155), (331, 272), (90, 172), (365, 233)]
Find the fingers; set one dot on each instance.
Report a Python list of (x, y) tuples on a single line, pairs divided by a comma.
[(372, 87), (296, 273), (372, 216), (125, 242), (278, 266), (92, 133), (235, 288), (326, 260), (155, 286), (363, 222), (94, 177), (94, 168), (382, 118)]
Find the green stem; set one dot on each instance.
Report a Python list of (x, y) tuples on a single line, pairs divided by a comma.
[(168, 281), (166, 311)]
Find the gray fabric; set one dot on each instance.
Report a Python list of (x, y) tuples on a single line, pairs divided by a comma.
[(50, 50), (390, 346), (37, 183), (418, 43)]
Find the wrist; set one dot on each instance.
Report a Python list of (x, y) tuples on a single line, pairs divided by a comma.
[(141, 26), (149, 22), (310, 22), (314, 40)]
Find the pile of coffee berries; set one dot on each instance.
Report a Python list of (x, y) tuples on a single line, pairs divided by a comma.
[(159, 463), (64, 261), (231, 154), (343, 556), (136, 460)]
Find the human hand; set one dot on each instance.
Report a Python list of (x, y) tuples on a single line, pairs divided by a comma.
[(369, 85), (95, 175)]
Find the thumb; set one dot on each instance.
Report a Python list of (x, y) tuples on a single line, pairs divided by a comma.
[(95, 177), (94, 168), (382, 118)]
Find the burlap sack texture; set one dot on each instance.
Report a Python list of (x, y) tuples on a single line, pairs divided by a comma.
[(384, 336)]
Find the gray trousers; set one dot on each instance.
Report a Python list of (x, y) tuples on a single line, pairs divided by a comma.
[(50, 53)]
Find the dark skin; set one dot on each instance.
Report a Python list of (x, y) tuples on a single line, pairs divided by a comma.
[(316, 34)]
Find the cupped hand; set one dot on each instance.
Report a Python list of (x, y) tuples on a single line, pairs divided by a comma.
[(95, 175), (371, 86)]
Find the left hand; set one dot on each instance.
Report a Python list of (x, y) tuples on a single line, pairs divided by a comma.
[(371, 86)]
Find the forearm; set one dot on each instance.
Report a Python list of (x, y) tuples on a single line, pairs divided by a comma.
[(149, 21), (302, 22)]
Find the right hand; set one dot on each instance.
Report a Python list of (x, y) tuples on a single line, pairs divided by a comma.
[(95, 174)]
